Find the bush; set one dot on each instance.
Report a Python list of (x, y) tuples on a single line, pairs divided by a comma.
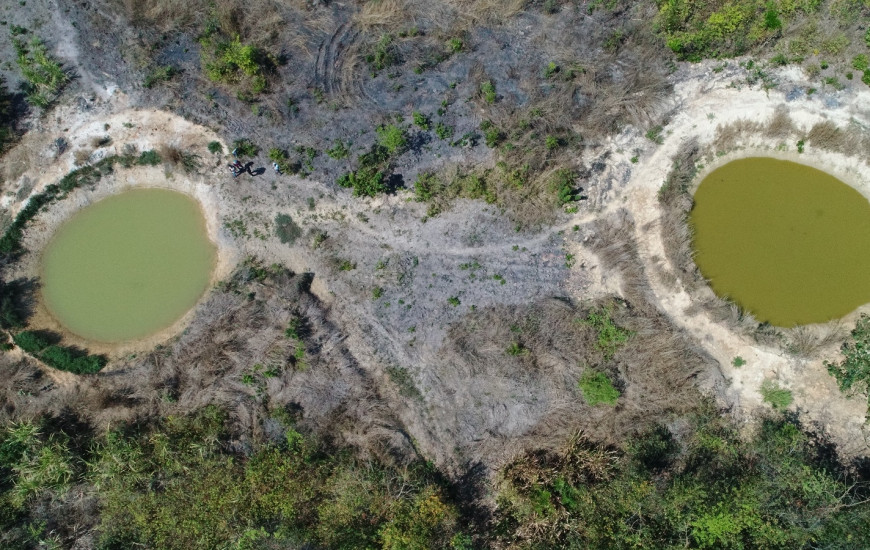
[(384, 54), (771, 17), (215, 148), (421, 121), (286, 229), (654, 134), (778, 397), (43, 75), (365, 182), (426, 186), (392, 138), (59, 357), (443, 131), (282, 159), (160, 74), (231, 61), (245, 148), (563, 184), (491, 134), (487, 91), (64, 358), (853, 372), (597, 388), (610, 335), (861, 62), (30, 341), (148, 158), (340, 150)]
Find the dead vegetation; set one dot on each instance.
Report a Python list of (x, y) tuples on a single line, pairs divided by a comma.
[(514, 371), (237, 354)]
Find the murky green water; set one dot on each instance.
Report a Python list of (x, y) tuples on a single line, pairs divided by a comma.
[(128, 266), (787, 242)]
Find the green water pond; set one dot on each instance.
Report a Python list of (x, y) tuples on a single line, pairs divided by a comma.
[(787, 242), (128, 266)]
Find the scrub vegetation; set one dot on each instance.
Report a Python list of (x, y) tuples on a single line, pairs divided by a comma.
[(43, 75), (853, 372), (712, 489), (60, 357), (177, 484)]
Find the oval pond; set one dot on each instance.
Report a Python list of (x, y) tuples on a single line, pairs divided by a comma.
[(787, 242), (128, 266)]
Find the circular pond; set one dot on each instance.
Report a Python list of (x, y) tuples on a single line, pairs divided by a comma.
[(787, 242), (128, 266)]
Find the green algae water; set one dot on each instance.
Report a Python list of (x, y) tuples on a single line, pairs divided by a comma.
[(128, 266), (787, 242)]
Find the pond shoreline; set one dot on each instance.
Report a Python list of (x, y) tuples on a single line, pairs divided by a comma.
[(42, 229)]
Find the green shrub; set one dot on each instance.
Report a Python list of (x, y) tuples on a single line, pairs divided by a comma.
[(455, 45), (215, 148), (853, 372), (30, 341), (551, 70), (778, 397), (563, 184), (597, 388), (516, 349), (340, 150), (738, 361), (426, 186), (492, 135), (282, 159), (454, 301), (392, 138), (610, 335), (779, 59), (148, 158), (377, 292), (232, 62), (771, 17), (487, 91), (551, 143), (59, 357), (160, 74), (865, 78), (286, 229), (443, 131), (244, 147), (861, 62), (64, 358), (44, 76), (421, 121), (365, 182), (654, 134), (384, 54)]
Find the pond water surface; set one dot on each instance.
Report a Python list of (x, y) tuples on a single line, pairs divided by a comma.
[(128, 266), (785, 241)]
